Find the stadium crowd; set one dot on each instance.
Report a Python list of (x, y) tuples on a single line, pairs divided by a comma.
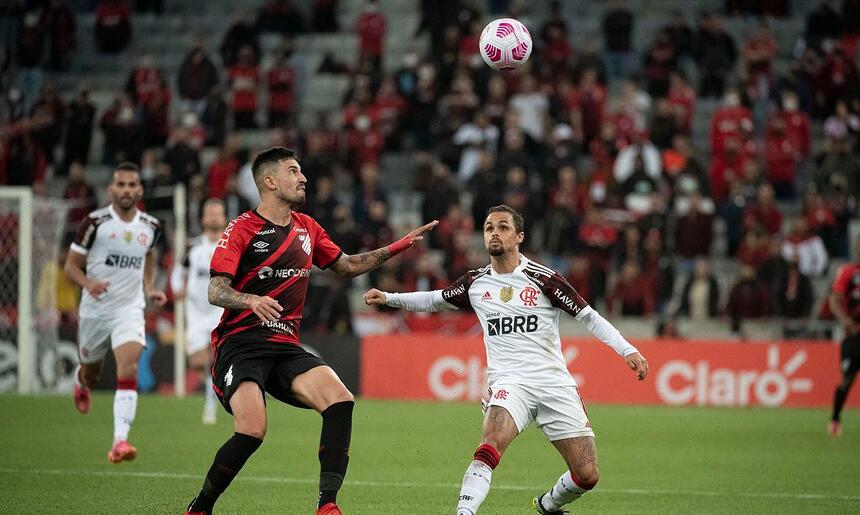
[(594, 144)]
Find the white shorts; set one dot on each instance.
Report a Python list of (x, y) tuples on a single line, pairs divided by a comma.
[(558, 411), (198, 337), (97, 335)]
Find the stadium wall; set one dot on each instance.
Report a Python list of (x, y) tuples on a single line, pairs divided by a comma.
[(682, 373)]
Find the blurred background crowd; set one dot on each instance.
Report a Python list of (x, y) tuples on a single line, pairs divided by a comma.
[(674, 160)]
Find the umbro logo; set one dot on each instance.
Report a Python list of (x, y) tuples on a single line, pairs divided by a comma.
[(487, 296), (261, 244)]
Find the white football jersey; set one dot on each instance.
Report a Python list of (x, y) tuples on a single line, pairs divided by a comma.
[(519, 314), (196, 268), (116, 252)]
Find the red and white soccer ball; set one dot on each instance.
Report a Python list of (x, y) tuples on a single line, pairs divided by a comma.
[(505, 44)]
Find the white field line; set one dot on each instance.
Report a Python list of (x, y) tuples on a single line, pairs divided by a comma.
[(452, 486)]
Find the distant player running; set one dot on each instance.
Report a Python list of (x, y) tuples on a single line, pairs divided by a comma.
[(190, 281), (113, 259), (845, 304), (260, 273), (517, 302)]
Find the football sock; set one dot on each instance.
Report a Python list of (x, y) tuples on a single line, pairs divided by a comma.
[(334, 449), (838, 400), (124, 408), (229, 460), (565, 491), (209, 396), (476, 481)]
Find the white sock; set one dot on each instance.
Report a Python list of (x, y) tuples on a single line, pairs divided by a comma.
[(564, 492), (476, 486), (124, 408), (209, 396)]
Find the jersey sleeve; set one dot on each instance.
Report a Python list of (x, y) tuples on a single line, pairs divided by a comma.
[(157, 231), (325, 251), (85, 236), (843, 280), (563, 296), (457, 293), (228, 252)]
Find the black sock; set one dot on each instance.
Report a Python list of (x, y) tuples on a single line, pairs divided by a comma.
[(229, 460), (334, 449), (838, 400)]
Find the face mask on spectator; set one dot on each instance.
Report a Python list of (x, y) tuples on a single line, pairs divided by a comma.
[(790, 103)]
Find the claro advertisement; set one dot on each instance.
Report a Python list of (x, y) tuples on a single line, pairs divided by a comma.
[(682, 373)]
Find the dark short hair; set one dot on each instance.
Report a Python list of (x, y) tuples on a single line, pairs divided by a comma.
[(519, 223), (271, 156), (125, 166)]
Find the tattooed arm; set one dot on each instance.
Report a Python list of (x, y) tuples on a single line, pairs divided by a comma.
[(223, 295), (351, 266)]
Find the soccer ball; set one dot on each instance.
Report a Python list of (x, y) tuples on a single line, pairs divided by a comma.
[(505, 44)]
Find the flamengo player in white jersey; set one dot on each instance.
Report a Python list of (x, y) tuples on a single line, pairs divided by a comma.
[(113, 260), (517, 302), (190, 281)]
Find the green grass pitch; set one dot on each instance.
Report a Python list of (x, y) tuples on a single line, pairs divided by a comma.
[(408, 459)]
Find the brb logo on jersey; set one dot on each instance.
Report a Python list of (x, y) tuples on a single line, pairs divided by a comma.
[(529, 296), (120, 261), (515, 324)]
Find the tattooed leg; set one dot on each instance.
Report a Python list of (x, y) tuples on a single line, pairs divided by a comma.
[(580, 454)]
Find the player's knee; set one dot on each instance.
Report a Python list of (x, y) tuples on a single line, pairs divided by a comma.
[(586, 475), (343, 395), (127, 370), (255, 428)]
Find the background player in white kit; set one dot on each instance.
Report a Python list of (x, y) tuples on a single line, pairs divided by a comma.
[(517, 302), (113, 260), (190, 281)]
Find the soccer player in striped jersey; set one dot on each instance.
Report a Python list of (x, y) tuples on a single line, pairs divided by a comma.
[(190, 282), (518, 302), (260, 274)]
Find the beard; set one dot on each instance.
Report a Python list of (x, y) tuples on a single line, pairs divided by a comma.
[(295, 201), (126, 202), (496, 250)]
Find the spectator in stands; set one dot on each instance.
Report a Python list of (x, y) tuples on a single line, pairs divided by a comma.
[(715, 54), (659, 62), (664, 125), (681, 170), (156, 117), (234, 204), (182, 157), (726, 168), (486, 188), (822, 24), (812, 259), (371, 28), (682, 97), (324, 16), (214, 117), (700, 296), (50, 108), (837, 80), (731, 210), (680, 34), (517, 194), (388, 108), (618, 39), (532, 105), (79, 129), (820, 218), (731, 121), (244, 81), (280, 16), (633, 294), (240, 34), (475, 138), (323, 202), (748, 298), (122, 125), (281, 80), (794, 300), (650, 166), (694, 227), (838, 163), (759, 52), (579, 276), (561, 219), (113, 26), (765, 213), (781, 157), (367, 191), (220, 171), (588, 102), (61, 28), (197, 76), (145, 81), (842, 124), (850, 27), (598, 237), (556, 51), (30, 55), (80, 194), (755, 249), (345, 231), (424, 276), (364, 143), (797, 128)]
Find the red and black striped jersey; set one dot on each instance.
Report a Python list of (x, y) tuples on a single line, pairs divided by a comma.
[(262, 258), (847, 283)]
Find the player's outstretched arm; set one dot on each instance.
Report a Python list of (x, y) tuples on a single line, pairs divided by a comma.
[(604, 331), (351, 266), (222, 294), (75, 269), (414, 301)]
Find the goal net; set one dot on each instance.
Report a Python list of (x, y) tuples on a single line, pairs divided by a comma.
[(33, 357)]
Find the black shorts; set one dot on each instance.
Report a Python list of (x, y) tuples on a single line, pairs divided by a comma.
[(849, 358), (273, 366)]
